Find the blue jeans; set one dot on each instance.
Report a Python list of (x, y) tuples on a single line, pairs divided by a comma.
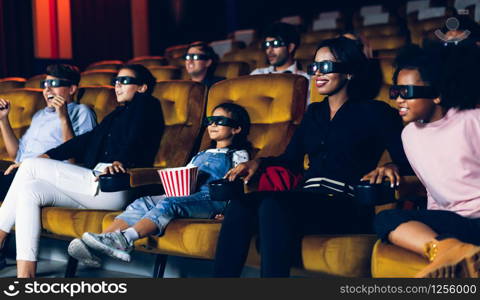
[(161, 209)]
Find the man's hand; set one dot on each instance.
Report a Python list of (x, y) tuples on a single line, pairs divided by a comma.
[(4, 108), (60, 107), (116, 167)]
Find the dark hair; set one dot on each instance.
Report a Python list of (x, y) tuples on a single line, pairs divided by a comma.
[(348, 51), (143, 75), (286, 32), (208, 51), (451, 71), (64, 71), (239, 114)]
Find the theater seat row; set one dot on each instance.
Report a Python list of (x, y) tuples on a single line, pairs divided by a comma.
[(275, 112)]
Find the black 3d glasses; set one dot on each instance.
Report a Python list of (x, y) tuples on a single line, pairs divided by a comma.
[(412, 92), (274, 44), (54, 83), (222, 121), (125, 80), (196, 57), (326, 67)]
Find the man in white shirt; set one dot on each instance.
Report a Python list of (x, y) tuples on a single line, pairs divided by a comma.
[(280, 42)]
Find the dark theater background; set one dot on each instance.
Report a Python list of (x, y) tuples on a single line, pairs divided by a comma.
[(34, 33)]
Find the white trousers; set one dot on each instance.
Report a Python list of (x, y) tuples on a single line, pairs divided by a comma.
[(43, 182)]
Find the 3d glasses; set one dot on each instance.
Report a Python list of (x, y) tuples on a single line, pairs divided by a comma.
[(125, 80), (222, 121), (54, 83), (326, 67), (412, 92), (196, 57), (274, 44)]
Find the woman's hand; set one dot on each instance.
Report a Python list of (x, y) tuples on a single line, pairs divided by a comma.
[(388, 170), (116, 167), (4, 108), (246, 170), (11, 168)]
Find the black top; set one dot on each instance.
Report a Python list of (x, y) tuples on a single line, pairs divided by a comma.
[(347, 147), (210, 80), (130, 134)]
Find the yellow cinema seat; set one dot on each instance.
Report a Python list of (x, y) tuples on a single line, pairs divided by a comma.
[(183, 106), (315, 37), (24, 104), (105, 65), (254, 57), (232, 69), (388, 42), (380, 30), (149, 61), (386, 64), (97, 78), (34, 81), (163, 73), (306, 52), (101, 99), (10, 83)]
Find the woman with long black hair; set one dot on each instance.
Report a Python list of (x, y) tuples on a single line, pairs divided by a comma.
[(344, 137)]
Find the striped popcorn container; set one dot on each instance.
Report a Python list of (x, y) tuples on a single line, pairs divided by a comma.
[(178, 182)]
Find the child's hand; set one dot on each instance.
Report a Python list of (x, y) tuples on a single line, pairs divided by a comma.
[(246, 169), (389, 170)]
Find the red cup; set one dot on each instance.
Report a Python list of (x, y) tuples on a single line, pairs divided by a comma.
[(179, 182)]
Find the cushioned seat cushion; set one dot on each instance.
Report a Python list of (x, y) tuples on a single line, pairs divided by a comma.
[(341, 255), (72, 222), (392, 261)]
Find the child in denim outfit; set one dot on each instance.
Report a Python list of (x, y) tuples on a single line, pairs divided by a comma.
[(228, 129)]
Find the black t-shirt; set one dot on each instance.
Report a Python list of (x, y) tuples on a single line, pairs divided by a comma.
[(348, 146)]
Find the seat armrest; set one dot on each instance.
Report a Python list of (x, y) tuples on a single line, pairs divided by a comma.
[(144, 176)]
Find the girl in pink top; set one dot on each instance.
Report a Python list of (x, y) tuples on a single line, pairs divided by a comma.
[(442, 143)]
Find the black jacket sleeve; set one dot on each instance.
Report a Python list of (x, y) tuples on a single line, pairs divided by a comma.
[(143, 136), (73, 148)]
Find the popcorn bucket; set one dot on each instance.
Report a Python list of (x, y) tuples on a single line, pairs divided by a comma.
[(178, 182)]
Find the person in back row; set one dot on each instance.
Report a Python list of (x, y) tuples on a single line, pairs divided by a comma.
[(128, 137), (57, 123), (280, 41), (228, 128), (201, 62), (437, 98)]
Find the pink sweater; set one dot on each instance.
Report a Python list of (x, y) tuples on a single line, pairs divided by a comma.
[(445, 155)]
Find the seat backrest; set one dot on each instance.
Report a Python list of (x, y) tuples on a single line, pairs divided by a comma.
[(105, 65), (254, 57), (388, 42), (306, 51), (275, 103), (232, 69), (162, 73), (175, 52), (34, 81), (97, 77), (10, 83), (386, 64), (24, 103), (101, 99), (380, 30), (315, 37), (183, 106), (149, 61)]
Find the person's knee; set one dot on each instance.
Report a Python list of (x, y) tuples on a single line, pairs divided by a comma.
[(387, 220), (29, 194)]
